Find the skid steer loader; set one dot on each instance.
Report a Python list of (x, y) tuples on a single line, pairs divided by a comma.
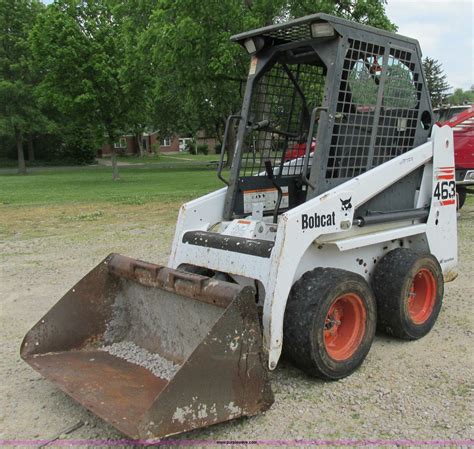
[(338, 216)]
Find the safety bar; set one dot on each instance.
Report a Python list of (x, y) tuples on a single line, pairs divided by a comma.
[(224, 143), (304, 177)]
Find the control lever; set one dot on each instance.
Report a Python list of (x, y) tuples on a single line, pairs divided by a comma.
[(271, 177), (260, 125)]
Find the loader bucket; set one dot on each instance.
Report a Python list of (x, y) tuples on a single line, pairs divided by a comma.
[(152, 350)]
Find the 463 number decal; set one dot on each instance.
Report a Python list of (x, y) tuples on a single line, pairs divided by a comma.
[(445, 190)]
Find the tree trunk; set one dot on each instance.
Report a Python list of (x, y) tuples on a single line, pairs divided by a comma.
[(31, 148), (113, 159), (139, 137), (19, 149)]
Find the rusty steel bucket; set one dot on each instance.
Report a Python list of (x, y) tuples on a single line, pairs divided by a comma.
[(152, 350)]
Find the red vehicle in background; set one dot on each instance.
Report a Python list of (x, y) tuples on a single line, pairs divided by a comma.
[(298, 150), (461, 119)]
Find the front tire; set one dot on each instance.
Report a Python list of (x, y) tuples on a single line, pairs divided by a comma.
[(409, 289), (330, 323)]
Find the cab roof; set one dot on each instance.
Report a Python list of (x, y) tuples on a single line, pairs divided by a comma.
[(300, 30)]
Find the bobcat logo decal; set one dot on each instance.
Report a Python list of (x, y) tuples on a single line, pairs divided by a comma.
[(346, 204)]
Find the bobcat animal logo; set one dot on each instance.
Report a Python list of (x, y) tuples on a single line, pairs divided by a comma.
[(346, 204)]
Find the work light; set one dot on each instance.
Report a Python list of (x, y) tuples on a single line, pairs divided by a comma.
[(321, 29), (254, 44)]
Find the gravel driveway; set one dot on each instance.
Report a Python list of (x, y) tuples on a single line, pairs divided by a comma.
[(405, 390)]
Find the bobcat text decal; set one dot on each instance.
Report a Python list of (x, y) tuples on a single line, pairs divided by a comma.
[(317, 221)]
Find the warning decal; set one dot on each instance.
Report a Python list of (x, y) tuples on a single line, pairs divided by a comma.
[(268, 197)]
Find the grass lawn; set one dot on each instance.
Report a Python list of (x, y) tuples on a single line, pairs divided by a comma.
[(170, 158), (163, 158), (86, 186)]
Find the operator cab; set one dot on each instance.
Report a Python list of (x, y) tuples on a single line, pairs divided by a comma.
[(325, 101)]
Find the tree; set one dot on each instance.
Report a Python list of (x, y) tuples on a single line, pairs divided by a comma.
[(134, 18), (19, 112), (81, 48), (367, 12), (199, 74), (461, 97), (436, 81)]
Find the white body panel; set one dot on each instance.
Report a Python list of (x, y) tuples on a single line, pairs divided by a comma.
[(319, 232)]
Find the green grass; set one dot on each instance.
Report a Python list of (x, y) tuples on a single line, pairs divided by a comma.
[(163, 158), (188, 156), (13, 163), (136, 186), (170, 158)]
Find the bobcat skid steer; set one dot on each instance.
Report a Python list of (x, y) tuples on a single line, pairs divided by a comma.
[(338, 216)]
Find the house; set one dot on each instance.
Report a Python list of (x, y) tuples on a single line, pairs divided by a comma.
[(128, 144), (152, 142), (203, 138)]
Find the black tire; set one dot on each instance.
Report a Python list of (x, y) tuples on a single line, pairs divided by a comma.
[(196, 270), (400, 312), (462, 193), (308, 327)]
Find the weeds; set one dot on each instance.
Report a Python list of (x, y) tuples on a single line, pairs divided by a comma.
[(91, 216)]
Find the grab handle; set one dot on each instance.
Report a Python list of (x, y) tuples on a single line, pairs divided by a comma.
[(224, 143)]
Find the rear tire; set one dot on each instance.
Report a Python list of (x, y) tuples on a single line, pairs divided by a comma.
[(461, 196), (330, 322), (409, 290)]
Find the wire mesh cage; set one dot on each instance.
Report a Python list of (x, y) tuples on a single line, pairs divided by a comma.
[(399, 111), (279, 118), (377, 109), (373, 106)]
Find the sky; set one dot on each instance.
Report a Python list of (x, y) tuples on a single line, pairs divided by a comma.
[(445, 30)]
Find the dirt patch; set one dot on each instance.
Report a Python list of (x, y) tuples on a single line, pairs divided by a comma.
[(405, 390)]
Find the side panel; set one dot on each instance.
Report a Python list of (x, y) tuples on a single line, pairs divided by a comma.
[(198, 214), (360, 260), (294, 239), (442, 221)]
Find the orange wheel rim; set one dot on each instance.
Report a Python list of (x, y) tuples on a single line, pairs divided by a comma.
[(422, 296), (344, 327)]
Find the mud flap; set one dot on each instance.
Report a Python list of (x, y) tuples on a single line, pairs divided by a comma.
[(152, 350)]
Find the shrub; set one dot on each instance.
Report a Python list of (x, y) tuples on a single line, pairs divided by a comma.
[(202, 148), (218, 148), (191, 147), (155, 147), (79, 152)]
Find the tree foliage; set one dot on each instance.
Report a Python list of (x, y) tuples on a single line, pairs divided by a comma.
[(134, 17), (19, 112), (461, 97), (438, 87), (199, 74), (367, 12), (90, 73)]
